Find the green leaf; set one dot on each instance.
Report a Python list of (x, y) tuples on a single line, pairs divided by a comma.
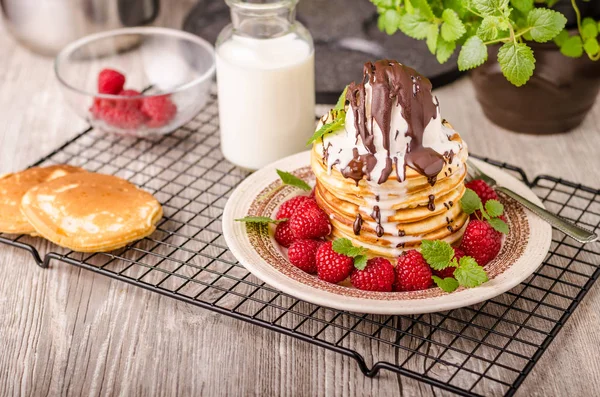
[(447, 284), (516, 62), (499, 225), (469, 274), (494, 208), (522, 5), (360, 262), (292, 180), (491, 26), (341, 102), (472, 54), (423, 7), (260, 219), (432, 36), (409, 7), (452, 28), (572, 47), (545, 24), (560, 39), (444, 50), (470, 202), (456, 5), (344, 246), (337, 124), (591, 47), (490, 7), (589, 29), (437, 253), (389, 21), (415, 25)]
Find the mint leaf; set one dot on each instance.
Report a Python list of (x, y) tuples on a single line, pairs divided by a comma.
[(472, 54), (389, 21), (452, 27), (491, 26), (337, 124), (415, 25), (444, 49), (522, 5), (344, 246), (437, 253), (494, 208), (589, 29), (448, 284), (341, 102), (490, 7), (260, 219), (545, 24), (432, 36), (360, 262), (456, 5), (470, 202), (499, 225), (292, 180), (560, 39), (591, 47), (469, 274), (572, 47), (516, 62)]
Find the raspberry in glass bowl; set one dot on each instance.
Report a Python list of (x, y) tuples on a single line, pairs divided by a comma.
[(137, 81)]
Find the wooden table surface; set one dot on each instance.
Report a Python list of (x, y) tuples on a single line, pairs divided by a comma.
[(68, 331)]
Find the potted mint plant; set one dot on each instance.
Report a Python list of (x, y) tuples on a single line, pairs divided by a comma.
[(534, 61)]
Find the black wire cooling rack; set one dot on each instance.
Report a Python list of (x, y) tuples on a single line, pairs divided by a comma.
[(486, 349)]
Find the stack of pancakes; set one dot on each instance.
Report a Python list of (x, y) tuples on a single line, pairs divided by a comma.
[(388, 212)]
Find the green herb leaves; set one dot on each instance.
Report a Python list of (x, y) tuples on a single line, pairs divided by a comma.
[(260, 219), (586, 41), (341, 102), (452, 27), (516, 62), (473, 53), (439, 255), (344, 246), (471, 203), (339, 117), (292, 180), (545, 24)]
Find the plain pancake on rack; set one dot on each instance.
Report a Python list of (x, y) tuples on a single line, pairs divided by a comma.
[(90, 212), (14, 186), (393, 174)]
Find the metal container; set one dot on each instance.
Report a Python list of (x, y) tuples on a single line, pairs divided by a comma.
[(46, 26)]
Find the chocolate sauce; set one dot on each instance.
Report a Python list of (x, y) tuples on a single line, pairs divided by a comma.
[(450, 203), (376, 215), (359, 166), (401, 245), (401, 233), (447, 206), (393, 82), (357, 224), (431, 204), (450, 228)]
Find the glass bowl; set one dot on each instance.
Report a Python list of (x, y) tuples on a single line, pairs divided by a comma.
[(171, 70)]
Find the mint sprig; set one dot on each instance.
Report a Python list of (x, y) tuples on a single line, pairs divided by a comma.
[(260, 219), (339, 117), (439, 255), (341, 102), (471, 203), (292, 180), (344, 246)]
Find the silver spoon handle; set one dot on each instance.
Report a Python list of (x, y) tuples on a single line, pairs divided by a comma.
[(580, 234)]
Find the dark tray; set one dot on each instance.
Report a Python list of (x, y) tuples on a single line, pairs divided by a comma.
[(484, 349)]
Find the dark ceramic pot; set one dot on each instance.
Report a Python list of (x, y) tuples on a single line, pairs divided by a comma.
[(556, 99)]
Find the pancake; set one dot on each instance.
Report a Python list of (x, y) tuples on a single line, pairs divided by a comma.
[(90, 212), (14, 186)]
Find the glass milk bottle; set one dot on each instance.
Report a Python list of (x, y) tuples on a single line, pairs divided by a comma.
[(266, 84)]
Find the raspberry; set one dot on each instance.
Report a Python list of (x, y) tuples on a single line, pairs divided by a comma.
[(412, 272), (128, 118), (287, 208), (284, 235), (378, 275), (110, 82), (310, 221), (483, 190), (302, 254), (481, 242), (159, 109), (449, 271), (130, 103), (331, 266)]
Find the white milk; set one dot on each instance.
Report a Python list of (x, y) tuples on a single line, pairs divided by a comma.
[(266, 98)]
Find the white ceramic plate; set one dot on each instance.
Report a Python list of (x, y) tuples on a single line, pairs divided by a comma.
[(261, 194)]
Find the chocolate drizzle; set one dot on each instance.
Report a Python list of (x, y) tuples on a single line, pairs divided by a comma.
[(376, 215), (357, 224), (393, 84), (431, 203)]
